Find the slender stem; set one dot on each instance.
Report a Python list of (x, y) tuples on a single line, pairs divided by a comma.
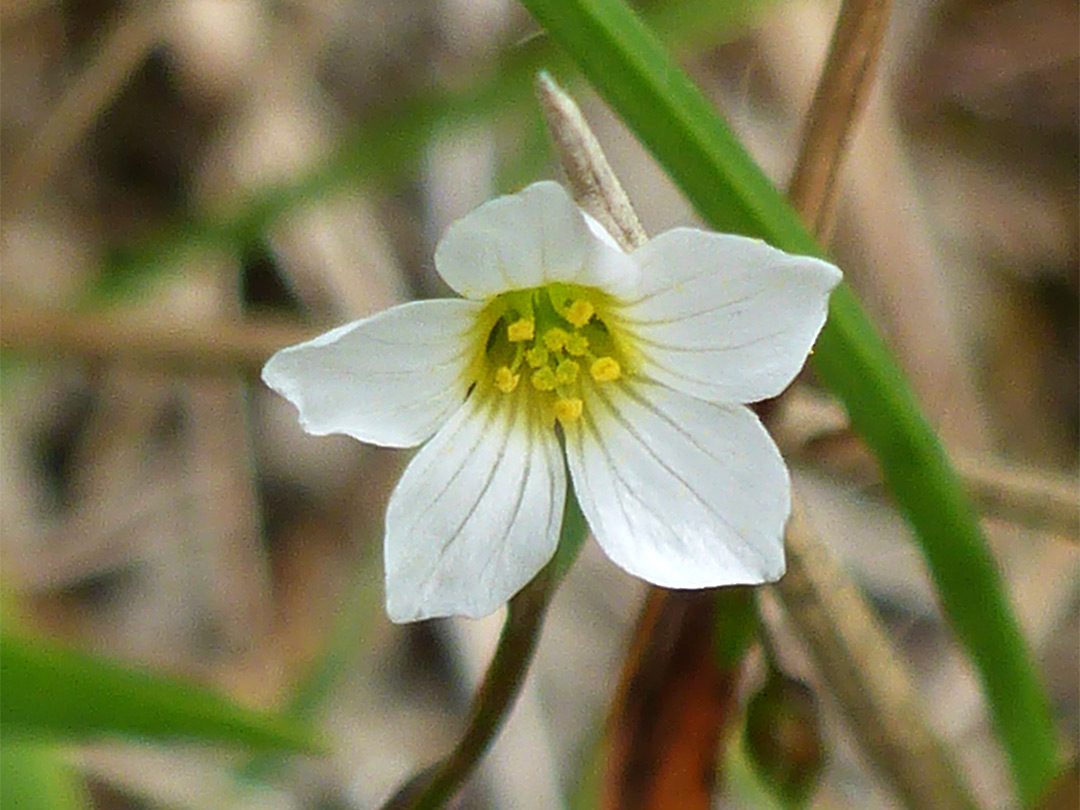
[(432, 787)]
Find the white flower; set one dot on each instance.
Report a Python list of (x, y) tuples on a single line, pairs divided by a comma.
[(640, 361)]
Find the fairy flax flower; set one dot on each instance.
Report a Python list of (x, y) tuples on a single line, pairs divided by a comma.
[(631, 367)]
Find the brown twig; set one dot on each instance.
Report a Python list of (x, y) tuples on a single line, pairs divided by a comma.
[(897, 267), (672, 707), (221, 348), (852, 651), (1036, 499), (864, 673), (1027, 497), (841, 95)]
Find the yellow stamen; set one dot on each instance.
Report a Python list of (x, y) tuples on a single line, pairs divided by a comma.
[(605, 369), (577, 344), (536, 356), (566, 372), (506, 380), (521, 330), (555, 339), (579, 312), (543, 379), (568, 410)]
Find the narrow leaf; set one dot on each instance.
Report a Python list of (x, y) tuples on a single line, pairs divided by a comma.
[(51, 693)]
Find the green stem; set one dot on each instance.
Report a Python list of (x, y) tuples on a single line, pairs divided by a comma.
[(432, 787)]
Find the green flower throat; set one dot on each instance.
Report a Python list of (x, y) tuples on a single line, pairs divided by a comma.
[(552, 339)]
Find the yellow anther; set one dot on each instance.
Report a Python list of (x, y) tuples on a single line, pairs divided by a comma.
[(521, 330), (579, 312), (568, 410), (605, 369), (536, 356), (555, 339), (566, 372), (506, 380), (543, 379), (577, 344)]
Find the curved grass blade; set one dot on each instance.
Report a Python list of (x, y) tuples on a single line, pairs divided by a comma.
[(633, 72), (52, 693)]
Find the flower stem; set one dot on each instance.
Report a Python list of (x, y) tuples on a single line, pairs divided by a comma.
[(433, 786)]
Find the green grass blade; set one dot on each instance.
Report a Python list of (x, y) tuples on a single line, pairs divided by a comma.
[(52, 693), (634, 73), (34, 777)]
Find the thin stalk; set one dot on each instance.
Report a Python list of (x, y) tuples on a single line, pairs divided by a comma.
[(432, 787)]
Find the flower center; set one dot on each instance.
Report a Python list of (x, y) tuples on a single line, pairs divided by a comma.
[(551, 339)]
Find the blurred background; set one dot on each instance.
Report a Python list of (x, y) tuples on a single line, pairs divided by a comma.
[(188, 185)]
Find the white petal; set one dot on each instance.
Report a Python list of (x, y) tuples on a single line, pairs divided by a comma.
[(390, 379), (476, 514), (525, 240), (600, 232), (725, 318), (680, 492)]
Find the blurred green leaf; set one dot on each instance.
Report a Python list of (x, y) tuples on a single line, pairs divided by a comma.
[(34, 777), (737, 627), (634, 73), (743, 784), (51, 693), (782, 738)]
